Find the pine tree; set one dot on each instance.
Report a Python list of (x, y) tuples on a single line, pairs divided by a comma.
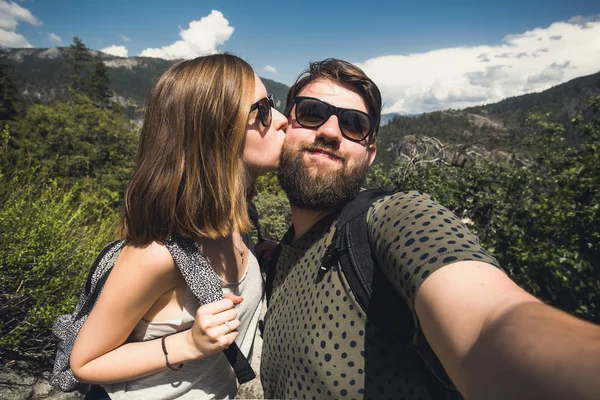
[(98, 85), (10, 99), (79, 60), (89, 75)]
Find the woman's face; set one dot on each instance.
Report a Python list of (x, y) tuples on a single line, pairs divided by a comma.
[(263, 143)]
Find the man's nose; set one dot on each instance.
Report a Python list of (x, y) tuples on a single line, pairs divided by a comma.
[(330, 130)]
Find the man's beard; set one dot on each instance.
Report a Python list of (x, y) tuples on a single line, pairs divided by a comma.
[(319, 191)]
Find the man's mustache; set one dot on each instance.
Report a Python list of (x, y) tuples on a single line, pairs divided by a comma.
[(325, 148)]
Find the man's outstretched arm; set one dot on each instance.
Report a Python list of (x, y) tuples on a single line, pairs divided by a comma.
[(498, 342)]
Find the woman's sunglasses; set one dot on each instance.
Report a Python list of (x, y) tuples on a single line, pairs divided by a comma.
[(264, 109), (355, 125)]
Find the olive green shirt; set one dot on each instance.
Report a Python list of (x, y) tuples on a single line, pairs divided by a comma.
[(318, 342)]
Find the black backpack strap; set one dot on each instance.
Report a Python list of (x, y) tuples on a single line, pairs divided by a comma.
[(270, 269), (374, 292), (105, 250)]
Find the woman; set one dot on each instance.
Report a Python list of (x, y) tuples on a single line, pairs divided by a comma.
[(208, 132)]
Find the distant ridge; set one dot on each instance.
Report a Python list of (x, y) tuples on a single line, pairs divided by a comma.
[(387, 118), (564, 100), (42, 74), (498, 127)]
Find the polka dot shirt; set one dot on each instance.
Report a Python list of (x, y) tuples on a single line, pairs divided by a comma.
[(319, 343)]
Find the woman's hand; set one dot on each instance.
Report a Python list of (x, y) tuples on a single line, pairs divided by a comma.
[(215, 327)]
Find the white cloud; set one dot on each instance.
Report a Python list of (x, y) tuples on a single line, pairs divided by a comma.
[(12, 39), (465, 76), (270, 68), (125, 38), (202, 37), (54, 38), (114, 50), (10, 15)]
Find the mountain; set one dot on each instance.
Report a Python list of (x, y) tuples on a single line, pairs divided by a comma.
[(387, 118), (499, 128), (43, 75), (492, 128), (564, 101)]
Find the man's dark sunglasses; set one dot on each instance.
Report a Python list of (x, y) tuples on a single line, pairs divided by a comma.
[(264, 106), (355, 125)]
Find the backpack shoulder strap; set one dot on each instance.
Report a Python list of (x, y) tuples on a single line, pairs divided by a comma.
[(206, 286), (352, 249), (67, 326), (375, 293), (118, 245), (358, 206)]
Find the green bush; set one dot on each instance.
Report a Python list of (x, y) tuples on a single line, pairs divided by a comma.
[(49, 238), (542, 223), (272, 206), (71, 141)]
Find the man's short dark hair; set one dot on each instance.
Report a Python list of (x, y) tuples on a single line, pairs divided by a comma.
[(345, 74)]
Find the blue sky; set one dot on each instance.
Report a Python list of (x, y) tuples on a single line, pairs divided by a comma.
[(424, 55)]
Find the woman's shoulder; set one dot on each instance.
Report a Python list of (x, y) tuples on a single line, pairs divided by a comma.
[(154, 258)]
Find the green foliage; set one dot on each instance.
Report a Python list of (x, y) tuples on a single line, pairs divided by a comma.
[(273, 207), (10, 98), (542, 223), (49, 237), (62, 171), (72, 140)]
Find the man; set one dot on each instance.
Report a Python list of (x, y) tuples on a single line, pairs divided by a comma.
[(493, 339)]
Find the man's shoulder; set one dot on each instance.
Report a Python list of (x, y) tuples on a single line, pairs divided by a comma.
[(402, 202)]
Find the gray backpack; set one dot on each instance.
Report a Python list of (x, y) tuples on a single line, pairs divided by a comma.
[(198, 275)]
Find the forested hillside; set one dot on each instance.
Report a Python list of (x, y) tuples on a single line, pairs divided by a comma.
[(43, 75), (524, 174), (490, 130)]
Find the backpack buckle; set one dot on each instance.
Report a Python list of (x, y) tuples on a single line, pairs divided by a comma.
[(331, 257)]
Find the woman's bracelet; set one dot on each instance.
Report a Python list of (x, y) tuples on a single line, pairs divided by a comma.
[(164, 349)]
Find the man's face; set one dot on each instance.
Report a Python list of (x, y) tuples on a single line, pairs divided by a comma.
[(319, 168)]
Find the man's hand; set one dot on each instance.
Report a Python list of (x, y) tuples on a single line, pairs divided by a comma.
[(264, 251)]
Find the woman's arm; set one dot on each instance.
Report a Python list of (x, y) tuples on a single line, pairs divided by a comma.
[(139, 278)]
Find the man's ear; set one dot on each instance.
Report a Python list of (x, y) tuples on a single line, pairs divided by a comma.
[(372, 149)]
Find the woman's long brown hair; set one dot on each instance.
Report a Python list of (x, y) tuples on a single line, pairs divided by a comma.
[(190, 180)]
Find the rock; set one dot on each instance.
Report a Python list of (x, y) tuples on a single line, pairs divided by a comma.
[(19, 386)]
